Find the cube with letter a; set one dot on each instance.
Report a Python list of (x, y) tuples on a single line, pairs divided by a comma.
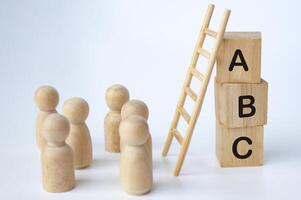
[(239, 58)]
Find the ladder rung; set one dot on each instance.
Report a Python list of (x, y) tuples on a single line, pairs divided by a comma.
[(178, 136), (185, 114), (191, 93), (211, 33), (204, 53), (197, 74)]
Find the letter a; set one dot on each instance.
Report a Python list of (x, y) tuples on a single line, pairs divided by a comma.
[(242, 62)]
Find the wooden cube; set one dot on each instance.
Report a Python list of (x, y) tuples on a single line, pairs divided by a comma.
[(237, 147), (239, 58), (241, 104)]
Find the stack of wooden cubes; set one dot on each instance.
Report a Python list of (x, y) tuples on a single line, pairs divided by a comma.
[(240, 100)]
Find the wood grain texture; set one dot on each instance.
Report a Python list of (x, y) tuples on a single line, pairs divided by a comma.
[(136, 173), (227, 103), (57, 156), (111, 128), (116, 96), (46, 98), (77, 110), (225, 138), (250, 45), (42, 115)]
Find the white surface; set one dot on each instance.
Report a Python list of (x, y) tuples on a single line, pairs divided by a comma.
[(201, 177), (82, 47)]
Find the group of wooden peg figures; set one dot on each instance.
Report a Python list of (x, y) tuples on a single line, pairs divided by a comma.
[(65, 141)]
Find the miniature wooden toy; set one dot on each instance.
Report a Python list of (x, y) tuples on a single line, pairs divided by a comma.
[(116, 96), (239, 58), (57, 156), (46, 98), (239, 146), (77, 110), (186, 90), (241, 104), (136, 107), (241, 98), (136, 173)]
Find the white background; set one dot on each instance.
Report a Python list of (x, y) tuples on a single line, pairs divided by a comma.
[(83, 47)]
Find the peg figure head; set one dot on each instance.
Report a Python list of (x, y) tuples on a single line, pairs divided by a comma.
[(134, 107), (116, 96), (46, 98), (55, 128), (76, 110), (134, 130)]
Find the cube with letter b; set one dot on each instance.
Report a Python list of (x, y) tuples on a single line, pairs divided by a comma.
[(241, 104)]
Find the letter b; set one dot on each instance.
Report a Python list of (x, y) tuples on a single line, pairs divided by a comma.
[(250, 105)]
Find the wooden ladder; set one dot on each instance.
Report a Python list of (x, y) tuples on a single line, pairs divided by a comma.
[(186, 90)]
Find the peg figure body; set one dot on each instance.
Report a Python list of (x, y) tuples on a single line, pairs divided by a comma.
[(136, 173), (77, 110), (57, 156), (116, 96), (46, 98)]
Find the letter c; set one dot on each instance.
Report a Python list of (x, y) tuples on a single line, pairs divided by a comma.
[(234, 148)]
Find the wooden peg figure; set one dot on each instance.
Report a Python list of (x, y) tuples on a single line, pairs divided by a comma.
[(136, 107), (77, 110), (46, 98), (136, 164), (116, 96), (57, 156)]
